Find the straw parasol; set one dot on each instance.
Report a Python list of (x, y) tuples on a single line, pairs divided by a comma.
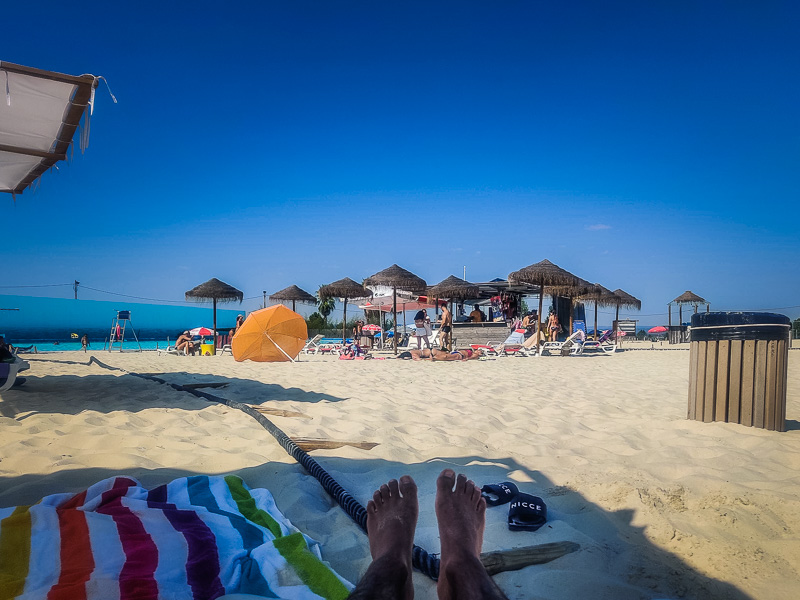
[(548, 275), (452, 288), (601, 296), (626, 300), (347, 289), (295, 294), (214, 290), (396, 278), (687, 297)]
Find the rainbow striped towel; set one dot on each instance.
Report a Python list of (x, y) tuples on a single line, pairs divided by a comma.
[(195, 538)]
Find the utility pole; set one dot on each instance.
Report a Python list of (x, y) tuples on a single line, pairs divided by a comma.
[(75, 287)]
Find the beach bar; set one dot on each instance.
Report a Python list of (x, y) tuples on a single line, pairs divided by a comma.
[(737, 369)]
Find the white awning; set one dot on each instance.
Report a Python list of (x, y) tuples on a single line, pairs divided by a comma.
[(39, 113)]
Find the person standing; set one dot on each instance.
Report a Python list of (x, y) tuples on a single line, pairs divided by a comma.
[(553, 326), (446, 327), (422, 322), (85, 341)]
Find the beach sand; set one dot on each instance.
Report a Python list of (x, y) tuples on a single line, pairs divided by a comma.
[(662, 507)]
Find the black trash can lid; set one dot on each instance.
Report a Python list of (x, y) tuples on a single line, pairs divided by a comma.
[(739, 326)]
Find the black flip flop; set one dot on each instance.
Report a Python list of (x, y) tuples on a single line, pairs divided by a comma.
[(499, 493), (526, 513)]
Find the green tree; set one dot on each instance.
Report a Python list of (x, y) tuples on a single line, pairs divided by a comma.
[(325, 307), (316, 321)]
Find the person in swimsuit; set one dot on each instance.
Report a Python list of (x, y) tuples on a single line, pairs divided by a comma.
[(440, 355), (185, 344), (553, 326), (447, 327)]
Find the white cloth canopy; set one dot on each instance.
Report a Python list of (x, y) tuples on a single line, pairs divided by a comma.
[(39, 113)]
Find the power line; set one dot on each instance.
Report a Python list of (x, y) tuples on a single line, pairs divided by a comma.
[(35, 286), (134, 297)]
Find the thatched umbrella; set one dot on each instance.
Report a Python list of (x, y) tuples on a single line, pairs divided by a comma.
[(396, 278), (214, 290), (546, 274), (295, 294), (601, 296), (686, 297), (626, 300), (452, 288), (346, 289)]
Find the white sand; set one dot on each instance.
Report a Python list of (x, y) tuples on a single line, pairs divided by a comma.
[(661, 506)]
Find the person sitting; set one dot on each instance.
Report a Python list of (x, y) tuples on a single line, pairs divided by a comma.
[(6, 351), (391, 520), (476, 316), (185, 344)]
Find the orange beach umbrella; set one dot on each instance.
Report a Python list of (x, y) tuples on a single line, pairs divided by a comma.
[(274, 334)]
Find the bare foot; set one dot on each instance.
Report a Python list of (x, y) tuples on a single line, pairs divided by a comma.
[(462, 515), (392, 519)]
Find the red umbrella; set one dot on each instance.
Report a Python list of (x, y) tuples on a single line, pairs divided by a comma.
[(659, 329), (201, 331), (371, 327)]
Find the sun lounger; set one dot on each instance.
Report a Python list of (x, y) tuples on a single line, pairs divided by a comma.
[(514, 345), (312, 345), (573, 345), (9, 372), (604, 343)]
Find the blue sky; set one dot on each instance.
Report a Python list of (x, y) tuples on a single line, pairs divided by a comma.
[(649, 146)]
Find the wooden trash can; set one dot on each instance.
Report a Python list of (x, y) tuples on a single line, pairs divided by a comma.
[(737, 368)]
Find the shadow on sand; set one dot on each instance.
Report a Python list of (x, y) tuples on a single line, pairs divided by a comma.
[(616, 559)]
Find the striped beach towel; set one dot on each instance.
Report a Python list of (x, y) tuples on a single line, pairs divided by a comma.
[(195, 538)]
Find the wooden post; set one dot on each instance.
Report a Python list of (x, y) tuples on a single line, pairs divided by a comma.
[(539, 316), (394, 314), (595, 320), (571, 310), (344, 323), (214, 351)]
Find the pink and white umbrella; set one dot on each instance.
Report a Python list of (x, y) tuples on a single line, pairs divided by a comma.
[(201, 331), (371, 327), (658, 329)]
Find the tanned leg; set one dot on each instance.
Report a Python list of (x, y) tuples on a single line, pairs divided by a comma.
[(391, 520), (461, 513)]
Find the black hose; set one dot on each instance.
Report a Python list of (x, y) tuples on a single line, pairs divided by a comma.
[(424, 562)]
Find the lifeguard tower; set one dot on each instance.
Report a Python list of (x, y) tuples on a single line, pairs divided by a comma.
[(118, 326)]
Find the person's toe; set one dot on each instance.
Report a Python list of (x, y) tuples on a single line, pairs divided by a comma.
[(393, 488), (446, 480), (378, 497), (371, 507), (407, 487), (461, 484)]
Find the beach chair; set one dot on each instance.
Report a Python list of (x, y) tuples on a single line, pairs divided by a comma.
[(512, 346), (9, 372), (605, 343), (312, 345), (573, 345)]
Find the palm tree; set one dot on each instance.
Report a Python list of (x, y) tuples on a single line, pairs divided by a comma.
[(325, 307)]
